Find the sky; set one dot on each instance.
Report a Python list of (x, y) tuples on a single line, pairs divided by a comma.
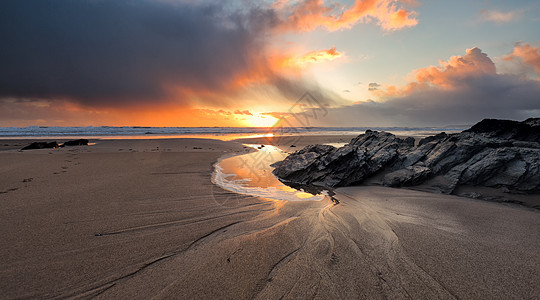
[(266, 62)]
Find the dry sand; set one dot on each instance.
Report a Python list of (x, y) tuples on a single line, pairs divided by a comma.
[(140, 219)]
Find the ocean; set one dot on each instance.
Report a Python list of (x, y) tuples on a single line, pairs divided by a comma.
[(222, 133)]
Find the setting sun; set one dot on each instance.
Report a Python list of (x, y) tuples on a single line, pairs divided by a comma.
[(270, 149), (259, 120)]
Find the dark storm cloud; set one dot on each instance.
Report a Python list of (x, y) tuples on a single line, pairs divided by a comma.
[(100, 52)]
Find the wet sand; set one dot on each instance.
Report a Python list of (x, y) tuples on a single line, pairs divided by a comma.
[(141, 219), (294, 143)]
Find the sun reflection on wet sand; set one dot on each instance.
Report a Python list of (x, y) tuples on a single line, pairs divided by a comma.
[(251, 174)]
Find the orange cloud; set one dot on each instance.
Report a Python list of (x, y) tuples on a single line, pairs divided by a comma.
[(474, 62), (318, 56), (243, 112), (397, 20), (308, 15), (526, 53), (449, 75)]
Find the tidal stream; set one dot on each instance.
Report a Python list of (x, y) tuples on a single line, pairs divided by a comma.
[(251, 174)]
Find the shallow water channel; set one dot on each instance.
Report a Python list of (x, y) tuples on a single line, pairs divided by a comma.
[(251, 174)]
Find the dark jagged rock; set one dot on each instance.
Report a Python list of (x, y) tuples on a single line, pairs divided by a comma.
[(533, 122), (329, 166), (432, 138), (493, 153), (41, 145), (528, 130), (79, 142), (407, 176)]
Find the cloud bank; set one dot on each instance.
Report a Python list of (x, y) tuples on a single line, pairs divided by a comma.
[(462, 90), (130, 52), (107, 52)]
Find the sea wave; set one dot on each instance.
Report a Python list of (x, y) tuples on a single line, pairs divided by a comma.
[(44, 131)]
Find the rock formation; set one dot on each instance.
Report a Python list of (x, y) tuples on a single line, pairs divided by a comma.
[(41, 145), (493, 153)]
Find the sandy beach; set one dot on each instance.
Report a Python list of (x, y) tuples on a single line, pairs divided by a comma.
[(269, 149), (141, 219)]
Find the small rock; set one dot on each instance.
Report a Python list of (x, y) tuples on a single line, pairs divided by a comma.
[(41, 145), (79, 142)]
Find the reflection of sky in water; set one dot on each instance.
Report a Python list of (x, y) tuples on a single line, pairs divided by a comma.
[(337, 145), (251, 174)]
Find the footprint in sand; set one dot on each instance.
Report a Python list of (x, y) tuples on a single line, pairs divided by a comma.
[(8, 190)]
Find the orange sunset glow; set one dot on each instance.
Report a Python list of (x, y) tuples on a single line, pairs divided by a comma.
[(366, 62), (269, 149)]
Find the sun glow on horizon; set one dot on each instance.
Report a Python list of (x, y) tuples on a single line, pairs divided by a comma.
[(260, 120)]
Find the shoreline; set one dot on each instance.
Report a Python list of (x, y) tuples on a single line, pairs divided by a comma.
[(141, 218), (529, 201)]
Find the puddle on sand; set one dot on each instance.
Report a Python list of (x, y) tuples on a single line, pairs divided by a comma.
[(337, 145), (251, 174)]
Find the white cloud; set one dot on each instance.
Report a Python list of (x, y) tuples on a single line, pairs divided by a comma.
[(499, 16)]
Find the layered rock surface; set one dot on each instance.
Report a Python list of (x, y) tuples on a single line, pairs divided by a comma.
[(493, 153)]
